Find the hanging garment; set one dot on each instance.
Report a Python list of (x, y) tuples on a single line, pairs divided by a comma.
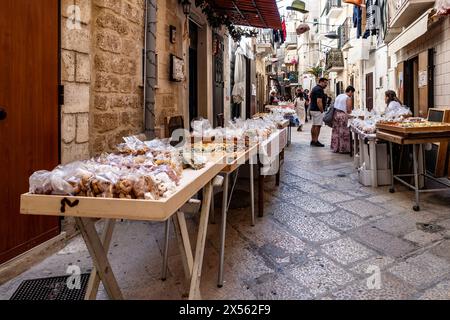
[(276, 36), (373, 19), (238, 92), (282, 38), (357, 20), (283, 26)]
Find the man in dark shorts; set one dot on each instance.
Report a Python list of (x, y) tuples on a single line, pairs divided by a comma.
[(317, 109)]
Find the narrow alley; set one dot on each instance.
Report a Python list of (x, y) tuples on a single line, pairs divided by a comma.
[(322, 237)]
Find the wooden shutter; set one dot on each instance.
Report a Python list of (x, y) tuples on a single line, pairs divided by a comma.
[(423, 84), (400, 80)]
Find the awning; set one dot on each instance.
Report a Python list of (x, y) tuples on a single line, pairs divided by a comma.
[(411, 33), (254, 13)]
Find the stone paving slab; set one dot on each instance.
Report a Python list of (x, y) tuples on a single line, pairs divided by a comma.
[(422, 270), (342, 220), (346, 251), (383, 242), (439, 292), (320, 275), (364, 268), (311, 204), (277, 286), (391, 288), (335, 196), (362, 208), (305, 226)]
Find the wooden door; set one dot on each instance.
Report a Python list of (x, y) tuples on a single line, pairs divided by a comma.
[(423, 84), (369, 91), (193, 72), (400, 79), (219, 84), (29, 139)]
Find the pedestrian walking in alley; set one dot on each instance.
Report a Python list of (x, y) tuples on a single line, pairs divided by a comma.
[(299, 104), (317, 108), (307, 100), (273, 101), (340, 136)]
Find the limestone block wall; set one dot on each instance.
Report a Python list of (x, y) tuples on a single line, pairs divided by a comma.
[(102, 43), (117, 77), (170, 97), (76, 78)]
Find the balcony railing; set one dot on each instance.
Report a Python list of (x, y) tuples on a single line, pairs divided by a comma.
[(291, 39), (403, 12), (344, 32), (330, 4), (334, 60), (265, 38)]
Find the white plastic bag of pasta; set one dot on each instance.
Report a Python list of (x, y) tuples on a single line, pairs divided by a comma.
[(40, 183)]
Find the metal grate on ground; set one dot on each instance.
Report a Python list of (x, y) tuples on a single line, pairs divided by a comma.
[(54, 288)]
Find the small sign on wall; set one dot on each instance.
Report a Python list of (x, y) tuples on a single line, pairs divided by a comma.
[(423, 79), (176, 68)]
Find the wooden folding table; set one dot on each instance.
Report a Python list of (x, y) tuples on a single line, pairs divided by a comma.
[(249, 155), (416, 137), (270, 151), (87, 210)]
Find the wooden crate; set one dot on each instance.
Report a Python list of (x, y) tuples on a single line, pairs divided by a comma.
[(130, 209)]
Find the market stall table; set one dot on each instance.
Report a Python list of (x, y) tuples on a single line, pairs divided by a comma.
[(366, 158), (417, 137), (270, 151), (249, 156), (87, 210)]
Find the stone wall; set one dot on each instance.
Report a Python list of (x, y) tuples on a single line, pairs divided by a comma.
[(117, 87), (76, 78), (101, 69), (438, 37), (170, 97)]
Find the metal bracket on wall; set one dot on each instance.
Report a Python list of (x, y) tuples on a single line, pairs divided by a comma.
[(60, 95)]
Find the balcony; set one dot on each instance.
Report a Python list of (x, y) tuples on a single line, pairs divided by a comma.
[(264, 43), (291, 41), (333, 9), (403, 12), (334, 60), (344, 32)]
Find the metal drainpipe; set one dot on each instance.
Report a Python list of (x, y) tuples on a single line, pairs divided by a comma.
[(149, 69)]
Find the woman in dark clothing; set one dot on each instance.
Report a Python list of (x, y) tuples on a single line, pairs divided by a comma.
[(273, 101), (306, 92)]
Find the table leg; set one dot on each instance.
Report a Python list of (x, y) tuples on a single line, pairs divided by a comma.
[(213, 210), (362, 152), (290, 135), (280, 159), (223, 226), (373, 163), (252, 194), (416, 177), (260, 191), (184, 244), (94, 279), (391, 158), (194, 292), (165, 249), (99, 257), (421, 168)]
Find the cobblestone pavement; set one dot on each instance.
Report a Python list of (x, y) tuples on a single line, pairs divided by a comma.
[(324, 236)]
